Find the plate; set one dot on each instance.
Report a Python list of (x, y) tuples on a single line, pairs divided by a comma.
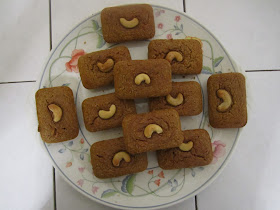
[(159, 188)]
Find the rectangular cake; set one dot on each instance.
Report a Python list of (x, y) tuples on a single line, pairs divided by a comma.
[(57, 115), (196, 150), (184, 55), (106, 111), (227, 107), (160, 129), (109, 159), (96, 68), (127, 23), (142, 78), (185, 98)]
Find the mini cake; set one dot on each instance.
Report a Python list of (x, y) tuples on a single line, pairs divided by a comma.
[(196, 150), (160, 129), (185, 98), (184, 55), (109, 158), (127, 23), (57, 115), (227, 106), (96, 68), (142, 78), (106, 111)]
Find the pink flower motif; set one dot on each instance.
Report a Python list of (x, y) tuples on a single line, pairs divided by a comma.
[(177, 18), (94, 189), (68, 164), (80, 182), (161, 174), (81, 169), (219, 150), (151, 172), (72, 65), (157, 182), (162, 11), (82, 141), (169, 36), (160, 25), (157, 13)]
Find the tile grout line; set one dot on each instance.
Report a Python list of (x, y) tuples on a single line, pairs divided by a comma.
[(247, 71), (50, 23), (2, 83), (50, 34), (54, 189), (195, 200), (271, 70)]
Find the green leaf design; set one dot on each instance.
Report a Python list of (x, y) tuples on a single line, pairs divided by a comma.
[(130, 184), (100, 42), (95, 25), (108, 193), (218, 60), (206, 68)]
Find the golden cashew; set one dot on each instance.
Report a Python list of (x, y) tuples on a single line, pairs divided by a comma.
[(175, 101), (142, 77), (107, 114), (150, 129), (227, 100), (129, 23), (173, 54), (119, 156), (186, 146), (56, 111), (107, 66)]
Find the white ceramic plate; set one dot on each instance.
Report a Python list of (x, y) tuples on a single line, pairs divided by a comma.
[(157, 187)]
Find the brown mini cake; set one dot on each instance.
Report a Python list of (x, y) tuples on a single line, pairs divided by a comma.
[(185, 55), (57, 115), (185, 98), (127, 23), (96, 68), (227, 106), (106, 111), (195, 151), (109, 158), (151, 131), (142, 78)]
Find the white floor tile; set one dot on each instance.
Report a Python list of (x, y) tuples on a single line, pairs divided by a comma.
[(26, 170), (251, 179), (24, 39), (249, 30)]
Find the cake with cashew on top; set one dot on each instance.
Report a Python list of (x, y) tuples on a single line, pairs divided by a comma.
[(159, 129)]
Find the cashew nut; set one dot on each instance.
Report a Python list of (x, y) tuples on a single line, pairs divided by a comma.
[(129, 23), (186, 146), (150, 129), (56, 111), (227, 100), (173, 54), (119, 156), (142, 77), (107, 114), (107, 66), (175, 101)]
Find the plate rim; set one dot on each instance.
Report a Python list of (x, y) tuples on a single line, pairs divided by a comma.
[(188, 196)]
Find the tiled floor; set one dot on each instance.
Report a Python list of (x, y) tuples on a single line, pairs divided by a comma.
[(248, 30)]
